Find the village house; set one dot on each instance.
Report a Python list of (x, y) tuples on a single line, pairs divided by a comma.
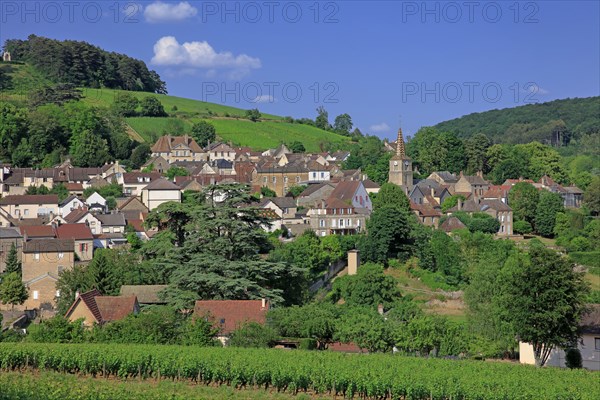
[(572, 195), (84, 216), (497, 209), (353, 193), (157, 164), (112, 223), (337, 217), (218, 151), (160, 191), (178, 148), (589, 345), (426, 214), (81, 236), (229, 315), (8, 238), (284, 207), (29, 206), (134, 182), (471, 185), (444, 178), (96, 202), (42, 262), (280, 178), (94, 309), (69, 204), (315, 193)]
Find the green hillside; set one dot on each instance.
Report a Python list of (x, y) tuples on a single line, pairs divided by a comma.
[(229, 122), (573, 118)]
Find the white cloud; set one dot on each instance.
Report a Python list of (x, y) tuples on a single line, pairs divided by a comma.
[(167, 12), (382, 127), (264, 98), (169, 52)]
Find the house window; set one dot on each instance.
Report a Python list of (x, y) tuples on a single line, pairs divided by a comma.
[(341, 223), (285, 179), (274, 179), (60, 269), (58, 293), (36, 256), (264, 179), (83, 247), (314, 174), (36, 294), (322, 174), (61, 255), (597, 343), (297, 179), (26, 212), (322, 225)]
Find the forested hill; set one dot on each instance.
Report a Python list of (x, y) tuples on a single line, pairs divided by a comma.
[(555, 122), (84, 65)]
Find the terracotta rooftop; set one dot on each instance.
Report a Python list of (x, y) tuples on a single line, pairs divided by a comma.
[(345, 190), (38, 231), (452, 223), (74, 231), (166, 143), (75, 215), (106, 308), (590, 323), (231, 314)]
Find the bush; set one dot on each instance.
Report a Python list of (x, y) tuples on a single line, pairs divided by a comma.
[(253, 334), (579, 243), (573, 359), (522, 227)]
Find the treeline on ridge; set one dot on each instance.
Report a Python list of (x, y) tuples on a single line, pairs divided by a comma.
[(82, 64)]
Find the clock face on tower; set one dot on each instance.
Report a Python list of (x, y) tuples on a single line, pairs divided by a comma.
[(406, 163)]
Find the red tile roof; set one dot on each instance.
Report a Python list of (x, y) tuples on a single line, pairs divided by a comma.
[(106, 308), (38, 231), (74, 231), (231, 314), (75, 215)]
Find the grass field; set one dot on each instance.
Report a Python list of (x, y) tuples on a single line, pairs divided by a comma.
[(271, 131)]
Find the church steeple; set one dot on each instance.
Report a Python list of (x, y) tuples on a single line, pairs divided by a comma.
[(400, 151), (401, 172)]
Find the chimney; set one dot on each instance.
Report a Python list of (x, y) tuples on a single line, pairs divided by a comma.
[(380, 309), (432, 192), (264, 304), (461, 174), (353, 262), (76, 294), (459, 204)]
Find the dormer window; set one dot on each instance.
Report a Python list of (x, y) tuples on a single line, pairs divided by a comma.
[(147, 179), (140, 179)]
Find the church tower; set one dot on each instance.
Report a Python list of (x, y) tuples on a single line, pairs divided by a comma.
[(401, 172)]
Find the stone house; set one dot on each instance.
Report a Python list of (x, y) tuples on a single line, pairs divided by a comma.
[(445, 178), (178, 148), (8, 238), (279, 178), (426, 214), (218, 151), (335, 216), (496, 208), (473, 185), (82, 237), (42, 262), (315, 193), (95, 309), (112, 223), (229, 315)]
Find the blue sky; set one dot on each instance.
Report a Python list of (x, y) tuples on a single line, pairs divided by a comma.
[(385, 62)]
